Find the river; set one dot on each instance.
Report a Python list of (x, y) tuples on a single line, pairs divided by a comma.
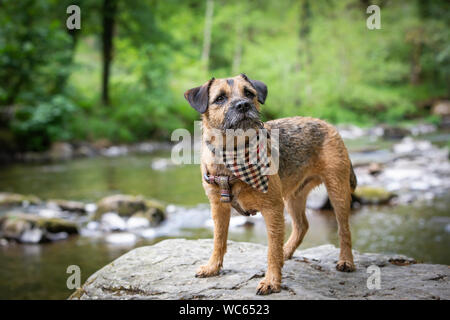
[(420, 229)]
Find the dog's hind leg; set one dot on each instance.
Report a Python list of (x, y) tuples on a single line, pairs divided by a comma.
[(296, 206), (339, 192)]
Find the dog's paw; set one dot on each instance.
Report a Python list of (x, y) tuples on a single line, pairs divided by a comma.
[(287, 254), (266, 287), (207, 271), (345, 266)]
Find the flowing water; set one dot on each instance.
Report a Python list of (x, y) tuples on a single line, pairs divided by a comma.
[(420, 230)]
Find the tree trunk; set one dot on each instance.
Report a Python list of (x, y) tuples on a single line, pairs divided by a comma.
[(61, 80), (365, 4), (238, 49), (416, 67), (207, 33), (304, 31), (109, 16), (303, 54)]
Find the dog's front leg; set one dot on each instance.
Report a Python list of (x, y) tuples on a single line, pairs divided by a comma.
[(221, 216), (274, 218)]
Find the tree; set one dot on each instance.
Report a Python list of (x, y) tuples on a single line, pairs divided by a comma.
[(109, 21), (207, 33), (303, 55)]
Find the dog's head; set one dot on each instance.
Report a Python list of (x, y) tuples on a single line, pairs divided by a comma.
[(231, 103)]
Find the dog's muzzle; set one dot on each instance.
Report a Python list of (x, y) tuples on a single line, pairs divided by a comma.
[(242, 106), (242, 115)]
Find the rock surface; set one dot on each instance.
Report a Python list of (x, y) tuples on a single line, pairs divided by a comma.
[(166, 271)]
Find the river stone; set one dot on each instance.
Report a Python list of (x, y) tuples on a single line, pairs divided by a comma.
[(136, 222), (60, 151), (111, 221), (128, 205), (68, 205), (153, 215), (441, 108), (166, 271), (8, 199), (33, 235), (23, 227), (394, 133), (366, 195), (121, 238)]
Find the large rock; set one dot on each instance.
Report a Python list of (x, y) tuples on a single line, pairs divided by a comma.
[(31, 228), (128, 205), (166, 271)]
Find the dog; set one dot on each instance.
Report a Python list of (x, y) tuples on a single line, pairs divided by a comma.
[(311, 152)]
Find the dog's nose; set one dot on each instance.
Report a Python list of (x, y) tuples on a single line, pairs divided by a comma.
[(242, 106)]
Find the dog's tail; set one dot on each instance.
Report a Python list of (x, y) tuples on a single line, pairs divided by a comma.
[(353, 181)]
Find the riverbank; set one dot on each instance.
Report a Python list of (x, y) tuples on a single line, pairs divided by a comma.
[(63, 151)]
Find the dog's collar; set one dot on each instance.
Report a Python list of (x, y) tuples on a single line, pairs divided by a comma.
[(225, 183)]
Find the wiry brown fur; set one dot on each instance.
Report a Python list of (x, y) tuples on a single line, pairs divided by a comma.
[(311, 153)]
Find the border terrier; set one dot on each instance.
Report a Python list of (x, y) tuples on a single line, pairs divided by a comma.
[(311, 152)]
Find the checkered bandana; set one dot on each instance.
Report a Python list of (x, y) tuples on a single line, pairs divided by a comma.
[(250, 163)]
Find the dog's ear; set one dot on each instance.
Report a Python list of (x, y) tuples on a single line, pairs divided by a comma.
[(198, 97), (260, 88)]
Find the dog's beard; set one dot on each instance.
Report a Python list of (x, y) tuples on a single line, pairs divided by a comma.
[(240, 120)]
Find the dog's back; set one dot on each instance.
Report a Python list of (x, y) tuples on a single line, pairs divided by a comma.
[(302, 139)]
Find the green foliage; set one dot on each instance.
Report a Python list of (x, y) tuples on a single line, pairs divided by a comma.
[(34, 60), (36, 126), (317, 58)]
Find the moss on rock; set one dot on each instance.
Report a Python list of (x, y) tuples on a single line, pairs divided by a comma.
[(373, 195)]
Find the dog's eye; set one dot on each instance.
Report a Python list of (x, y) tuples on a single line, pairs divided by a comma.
[(249, 94), (220, 99)]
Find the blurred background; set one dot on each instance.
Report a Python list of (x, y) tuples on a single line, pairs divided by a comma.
[(86, 117)]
